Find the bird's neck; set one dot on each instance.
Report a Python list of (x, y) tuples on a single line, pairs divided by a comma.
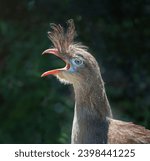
[(91, 111), (91, 97)]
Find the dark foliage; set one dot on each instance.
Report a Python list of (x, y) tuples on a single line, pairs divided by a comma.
[(36, 110)]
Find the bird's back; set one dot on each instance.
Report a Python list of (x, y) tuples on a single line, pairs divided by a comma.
[(121, 132)]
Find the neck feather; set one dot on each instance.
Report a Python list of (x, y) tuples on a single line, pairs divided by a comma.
[(93, 98), (91, 111)]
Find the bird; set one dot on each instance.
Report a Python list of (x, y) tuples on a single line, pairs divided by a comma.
[(93, 122)]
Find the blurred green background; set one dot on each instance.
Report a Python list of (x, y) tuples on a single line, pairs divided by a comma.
[(40, 110)]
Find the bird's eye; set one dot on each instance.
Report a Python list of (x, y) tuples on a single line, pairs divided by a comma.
[(77, 61)]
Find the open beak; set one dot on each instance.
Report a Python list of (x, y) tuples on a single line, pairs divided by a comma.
[(55, 71)]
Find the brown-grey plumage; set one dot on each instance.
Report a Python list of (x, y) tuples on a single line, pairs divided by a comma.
[(93, 122)]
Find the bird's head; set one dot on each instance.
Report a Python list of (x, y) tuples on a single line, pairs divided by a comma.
[(80, 64)]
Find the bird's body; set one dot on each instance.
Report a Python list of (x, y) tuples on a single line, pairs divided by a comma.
[(109, 131), (121, 132), (93, 122)]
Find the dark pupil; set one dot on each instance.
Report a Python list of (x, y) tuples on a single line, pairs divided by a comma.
[(77, 61)]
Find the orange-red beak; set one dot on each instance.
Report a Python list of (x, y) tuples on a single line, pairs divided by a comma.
[(55, 71)]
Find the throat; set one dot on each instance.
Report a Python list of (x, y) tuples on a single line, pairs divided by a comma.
[(90, 124)]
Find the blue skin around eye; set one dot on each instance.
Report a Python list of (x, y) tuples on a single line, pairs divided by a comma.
[(72, 69)]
